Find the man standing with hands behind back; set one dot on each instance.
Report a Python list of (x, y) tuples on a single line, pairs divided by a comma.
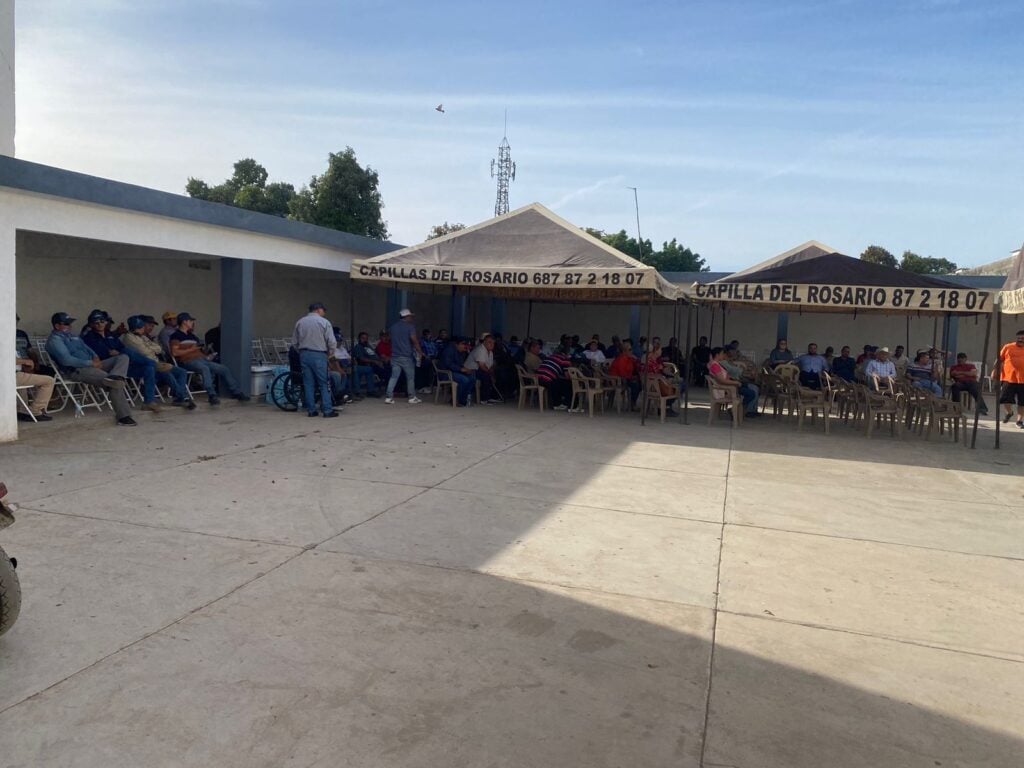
[(314, 340), (406, 353)]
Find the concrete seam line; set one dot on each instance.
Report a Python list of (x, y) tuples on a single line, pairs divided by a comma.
[(874, 636), (157, 631), (155, 527), (905, 545), (714, 614)]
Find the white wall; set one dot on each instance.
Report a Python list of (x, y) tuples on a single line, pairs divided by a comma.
[(7, 77)]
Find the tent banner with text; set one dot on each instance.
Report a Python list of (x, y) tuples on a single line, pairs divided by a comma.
[(521, 277), (847, 296)]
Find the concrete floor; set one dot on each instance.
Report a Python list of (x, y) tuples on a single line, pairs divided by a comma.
[(414, 586)]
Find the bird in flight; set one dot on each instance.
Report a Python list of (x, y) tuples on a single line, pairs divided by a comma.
[(440, 108)]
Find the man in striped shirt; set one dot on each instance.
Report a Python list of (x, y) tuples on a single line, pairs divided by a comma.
[(552, 374)]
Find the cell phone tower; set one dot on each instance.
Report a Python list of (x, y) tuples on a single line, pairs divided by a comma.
[(505, 170)]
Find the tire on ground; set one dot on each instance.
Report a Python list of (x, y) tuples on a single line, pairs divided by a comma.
[(10, 593)]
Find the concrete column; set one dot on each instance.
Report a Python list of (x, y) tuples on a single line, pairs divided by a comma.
[(782, 326), (397, 300), (634, 326), (498, 316), (460, 306), (236, 319), (8, 294)]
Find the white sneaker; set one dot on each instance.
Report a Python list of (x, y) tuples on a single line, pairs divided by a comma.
[(576, 410), (425, 390), (389, 400), (414, 400), (561, 407)]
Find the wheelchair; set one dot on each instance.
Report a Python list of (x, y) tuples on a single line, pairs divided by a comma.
[(286, 389)]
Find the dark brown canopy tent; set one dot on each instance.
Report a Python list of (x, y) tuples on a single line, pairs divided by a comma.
[(529, 254), (813, 278)]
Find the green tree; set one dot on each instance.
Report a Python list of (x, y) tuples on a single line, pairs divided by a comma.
[(247, 188), (876, 254), (344, 197), (926, 265), (440, 230), (672, 257)]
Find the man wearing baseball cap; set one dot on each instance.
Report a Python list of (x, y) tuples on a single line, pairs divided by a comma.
[(76, 362), (188, 350), (170, 326), (406, 354), (313, 338)]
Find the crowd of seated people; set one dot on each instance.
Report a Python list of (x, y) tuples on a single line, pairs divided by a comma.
[(109, 357)]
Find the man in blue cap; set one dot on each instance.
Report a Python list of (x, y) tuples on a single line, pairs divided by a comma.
[(76, 362), (136, 341), (187, 349)]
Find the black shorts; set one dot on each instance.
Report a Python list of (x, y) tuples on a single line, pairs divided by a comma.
[(1012, 393)]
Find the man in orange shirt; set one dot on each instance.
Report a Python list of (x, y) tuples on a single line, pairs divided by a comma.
[(1010, 365)]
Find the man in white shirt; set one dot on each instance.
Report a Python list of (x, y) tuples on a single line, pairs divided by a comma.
[(881, 366), (481, 362)]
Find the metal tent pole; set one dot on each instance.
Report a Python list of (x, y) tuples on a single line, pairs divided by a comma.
[(351, 312), (687, 376), (529, 318), (998, 370), (643, 394), (711, 330), (977, 400)]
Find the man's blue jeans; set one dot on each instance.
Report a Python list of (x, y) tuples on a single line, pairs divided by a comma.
[(400, 365), (144, 368), (749, 394), (364, 373), (314, 374), (210, 373), (931, 386), (464, 385), (176, 379)]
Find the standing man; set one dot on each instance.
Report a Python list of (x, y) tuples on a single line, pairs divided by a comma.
[(1010, 366), (406, 353), (77, 362), (314, 340)]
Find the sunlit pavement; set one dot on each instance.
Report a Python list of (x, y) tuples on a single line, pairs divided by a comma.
[(417, 586)]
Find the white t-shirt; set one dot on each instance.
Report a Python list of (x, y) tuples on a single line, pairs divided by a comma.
[(480, 354), (595, 356)]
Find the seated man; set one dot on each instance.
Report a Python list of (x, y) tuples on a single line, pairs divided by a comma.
[(28, 352), (741, 369), (593, 353), (626, 367), (138, 340), (453, 358), (844, 366), (76, 362), (170, 326), (920, 374), (187, 350), (965, 379), (367, 359), (718, 370), (531, 356), (553, 375), (105, 345), (781, 354), (811, 367), (42, 389), (879, 366), (481, 362)]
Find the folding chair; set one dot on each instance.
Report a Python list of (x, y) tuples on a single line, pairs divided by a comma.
[(26, 388)]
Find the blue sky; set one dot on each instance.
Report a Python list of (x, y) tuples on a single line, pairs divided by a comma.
[(748, 126)]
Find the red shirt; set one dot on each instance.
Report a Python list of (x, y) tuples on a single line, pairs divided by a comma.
[(384, 347), (624, 366), (965, 368)]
